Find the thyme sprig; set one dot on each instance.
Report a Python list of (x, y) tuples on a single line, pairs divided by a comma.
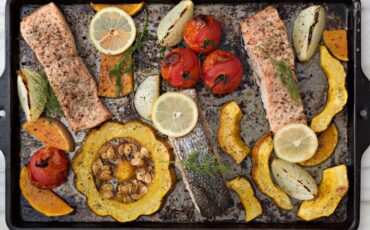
[(285, 74), (209, 166), (126, 64)]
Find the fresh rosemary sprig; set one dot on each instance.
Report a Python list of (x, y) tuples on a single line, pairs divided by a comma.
[(126, 64), (209, 166), (285, 74)]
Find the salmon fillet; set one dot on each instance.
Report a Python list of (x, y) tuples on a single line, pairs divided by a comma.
[(264, 33), (49, 36)]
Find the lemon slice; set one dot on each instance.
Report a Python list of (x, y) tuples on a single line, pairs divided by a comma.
[(112, 31), (295, 143), (174, 114)]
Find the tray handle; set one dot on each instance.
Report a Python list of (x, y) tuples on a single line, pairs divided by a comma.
[(362, 112), (5, 131)]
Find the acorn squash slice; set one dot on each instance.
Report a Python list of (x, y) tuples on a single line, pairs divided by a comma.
[(44, 201), (328, 141), (244, 189), (333, 188), (229, 132), (160, 186), (261, 173), (337, 92)]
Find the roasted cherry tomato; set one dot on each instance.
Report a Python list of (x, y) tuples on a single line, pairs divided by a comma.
[(48, 168), (222, 72), (180, 68), (202, 34)]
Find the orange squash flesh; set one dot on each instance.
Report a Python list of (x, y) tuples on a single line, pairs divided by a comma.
[(336, 41), (44, 201), (51, 132)]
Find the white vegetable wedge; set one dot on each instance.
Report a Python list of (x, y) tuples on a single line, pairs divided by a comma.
[(171, 26), (146, 94), (294, 180), (307, 31)]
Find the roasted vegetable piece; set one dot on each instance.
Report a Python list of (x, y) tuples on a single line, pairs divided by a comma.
[(171, 26), (147, 92), (48, 168), (110, 85), (229, 132), (307, 31), (328, 141), (333, 188), (294, 180), (246, 195), (44, 201), (32, 92), (261, 175), (51, 132), (202, 34), (337, 92), (336, 41), (160, 186), (131, 9)]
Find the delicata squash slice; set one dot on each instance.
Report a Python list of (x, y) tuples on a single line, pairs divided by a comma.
[(246, 195), (229, 132), (261, 175), (333, 188), (337, 93), (103, 203)]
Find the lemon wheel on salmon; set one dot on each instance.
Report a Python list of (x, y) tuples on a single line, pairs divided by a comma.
[(295, 143), (174, 114), (112, 31)]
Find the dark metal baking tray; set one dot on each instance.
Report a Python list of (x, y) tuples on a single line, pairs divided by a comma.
[(178, 212)]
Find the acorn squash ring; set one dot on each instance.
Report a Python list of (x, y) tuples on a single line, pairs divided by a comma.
[(161, 185)]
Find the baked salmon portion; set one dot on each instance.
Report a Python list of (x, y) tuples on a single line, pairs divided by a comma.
[(272, 60), (49, 36)]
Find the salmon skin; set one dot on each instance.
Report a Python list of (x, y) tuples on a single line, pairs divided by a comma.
[(208, 193), (264, 33), (49, 36)]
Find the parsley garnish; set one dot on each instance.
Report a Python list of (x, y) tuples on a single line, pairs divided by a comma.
[(126, 64), (285, 74), (209, 166)]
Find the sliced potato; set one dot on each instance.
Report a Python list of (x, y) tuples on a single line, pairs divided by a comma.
[(246, 195), (337, 92), (328, 141), (307, 31), (146, 94), (333, 188), (171, 26), (44, 201), (32, 92), (51, 132), (336, 41), (294, 180), (229, 132), (261, 175)]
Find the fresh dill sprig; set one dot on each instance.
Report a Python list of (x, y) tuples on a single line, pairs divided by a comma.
[(126, 64), (209, 166), (285, 74), (162, 52)]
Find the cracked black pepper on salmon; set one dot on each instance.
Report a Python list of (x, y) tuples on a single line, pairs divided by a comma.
[(49, 36)]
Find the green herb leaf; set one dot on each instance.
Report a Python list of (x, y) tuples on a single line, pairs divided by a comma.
[(126, 64), (209, 166), (162, 52), (284, 73)]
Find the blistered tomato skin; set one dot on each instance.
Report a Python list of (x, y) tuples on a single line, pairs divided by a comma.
[(222, 72), (202, 34), (48, 168), (180, 68)]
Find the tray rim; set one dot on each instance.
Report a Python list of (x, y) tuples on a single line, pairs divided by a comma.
[(357, 125)]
